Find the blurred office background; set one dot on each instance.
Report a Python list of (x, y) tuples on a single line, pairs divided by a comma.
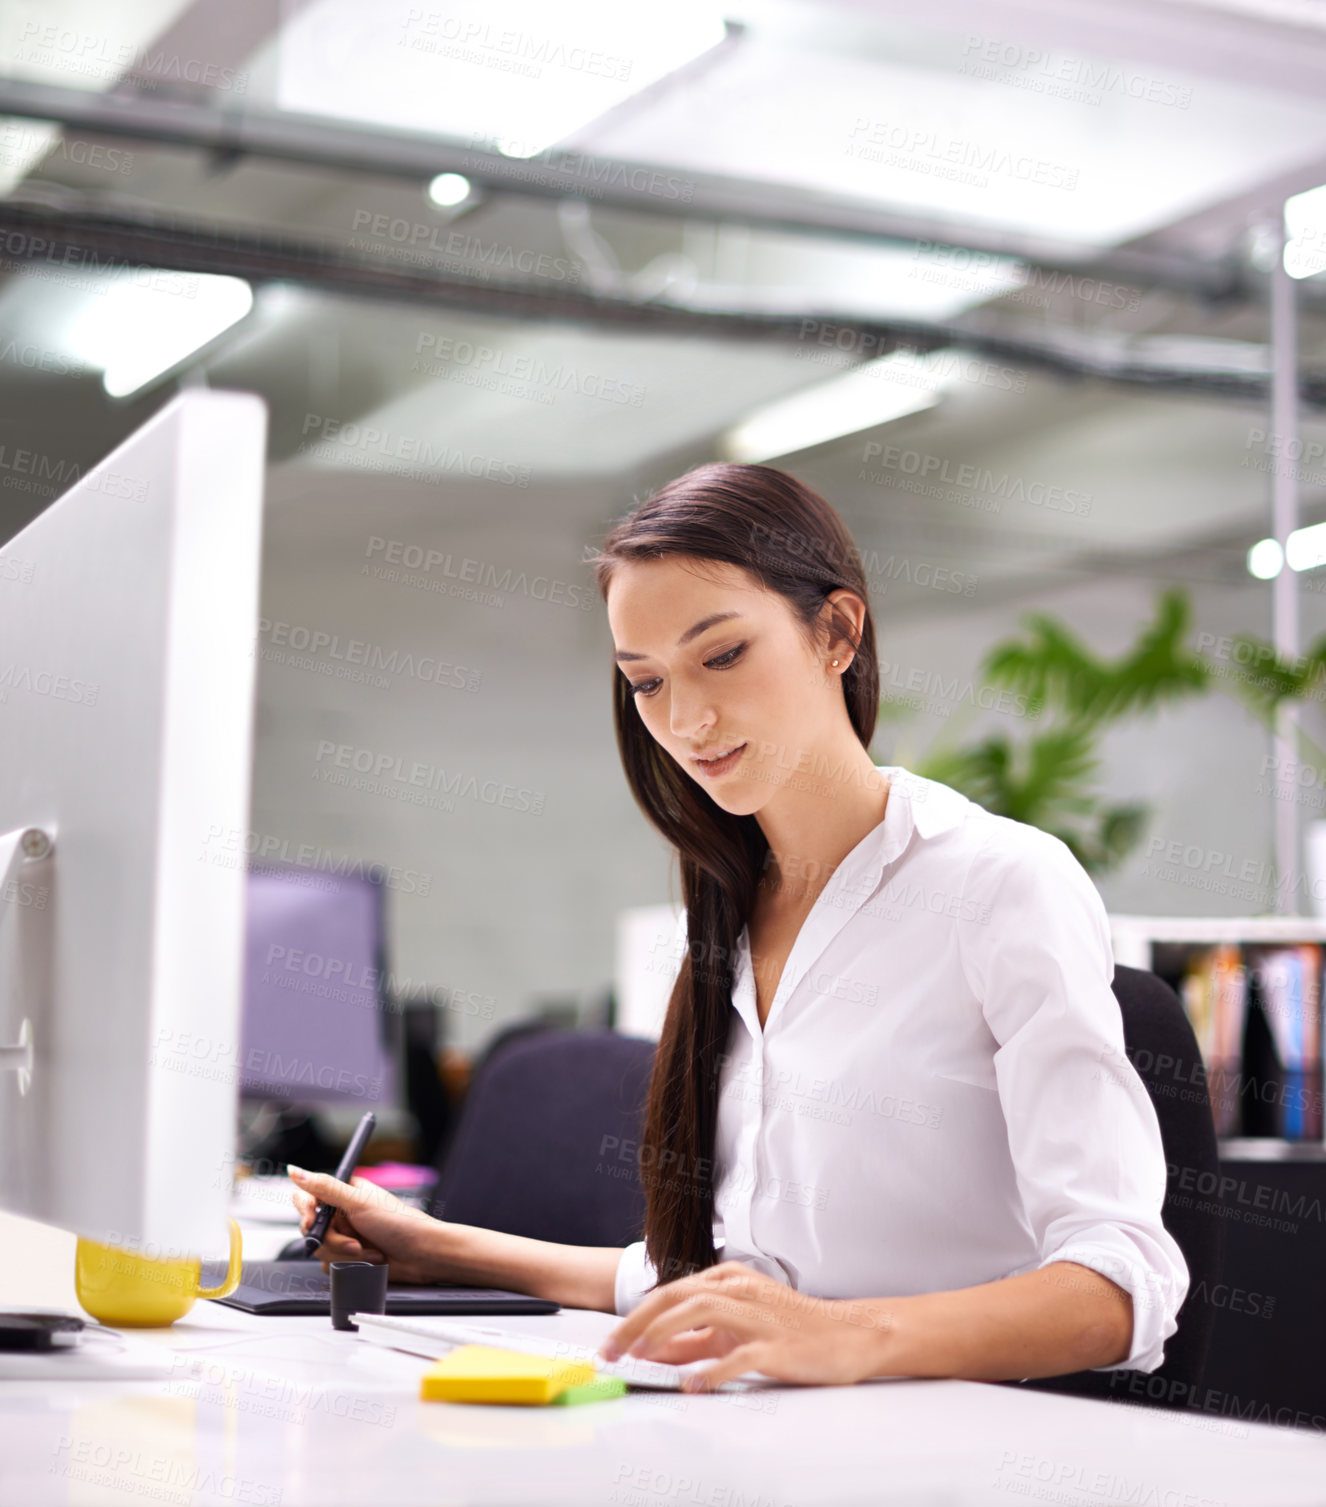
[(499, 270)]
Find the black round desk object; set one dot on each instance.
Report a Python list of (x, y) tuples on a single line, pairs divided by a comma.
[(39, 1331), (357, 1287)]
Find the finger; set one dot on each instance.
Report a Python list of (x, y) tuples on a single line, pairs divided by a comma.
[(701, 1309), (624, 1336), (305, 1203), (339, 1250), (352, 1251), (327, 1189), (752, 1357), (341, 1224), (699, 1344), (337, 1247), (729, 1269), (342, 1234), (734, 1277)]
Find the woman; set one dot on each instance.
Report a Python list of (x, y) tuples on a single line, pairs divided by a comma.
[(891, 1128)]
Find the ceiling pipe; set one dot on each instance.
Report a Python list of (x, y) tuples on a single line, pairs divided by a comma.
[(78, 243), (647, 188)]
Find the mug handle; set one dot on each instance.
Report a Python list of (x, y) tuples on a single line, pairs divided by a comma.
[(231, 1280)]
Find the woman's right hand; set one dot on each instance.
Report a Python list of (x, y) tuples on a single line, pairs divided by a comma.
[(370, 1224)]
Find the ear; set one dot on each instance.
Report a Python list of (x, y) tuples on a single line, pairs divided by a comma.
[(843, 619)]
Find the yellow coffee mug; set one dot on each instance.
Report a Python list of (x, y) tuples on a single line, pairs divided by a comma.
[(130, 1291)]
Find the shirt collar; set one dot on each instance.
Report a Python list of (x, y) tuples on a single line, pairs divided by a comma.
[(916, 806)]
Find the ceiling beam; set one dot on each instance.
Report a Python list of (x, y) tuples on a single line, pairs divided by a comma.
[(646, 188), (78, 243)]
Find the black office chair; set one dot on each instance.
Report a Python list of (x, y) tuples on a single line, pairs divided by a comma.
[(1159, 1042), (548, 1139)]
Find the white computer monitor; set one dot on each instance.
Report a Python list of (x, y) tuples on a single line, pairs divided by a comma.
[(127, 675)]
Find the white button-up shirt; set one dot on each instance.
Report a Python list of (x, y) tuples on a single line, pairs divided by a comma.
[(940, 1096)]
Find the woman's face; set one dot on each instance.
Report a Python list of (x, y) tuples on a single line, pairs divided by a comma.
[(718, 663)]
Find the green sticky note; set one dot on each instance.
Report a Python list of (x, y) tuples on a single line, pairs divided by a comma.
[(599, 1390)]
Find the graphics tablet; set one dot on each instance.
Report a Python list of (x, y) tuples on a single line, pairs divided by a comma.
[(302, 1287)]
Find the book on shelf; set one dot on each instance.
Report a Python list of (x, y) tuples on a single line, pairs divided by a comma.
[(1256, 1011), (1290, 984), (1214, 990)]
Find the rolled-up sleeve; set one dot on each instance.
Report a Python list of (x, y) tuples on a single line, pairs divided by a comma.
[(1082, 1130), (635, 1277)]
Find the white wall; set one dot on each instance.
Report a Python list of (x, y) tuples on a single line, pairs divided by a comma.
[(523, 905), (520, 903)]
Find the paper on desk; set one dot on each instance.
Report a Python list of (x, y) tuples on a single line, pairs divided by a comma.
[(432, 1337)]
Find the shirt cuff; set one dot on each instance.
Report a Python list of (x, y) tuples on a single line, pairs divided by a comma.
[(635, 1277), (1157, 1295)]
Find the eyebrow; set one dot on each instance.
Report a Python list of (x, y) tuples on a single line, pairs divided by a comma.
[(690, 633)]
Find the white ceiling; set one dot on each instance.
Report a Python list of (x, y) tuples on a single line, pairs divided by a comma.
[(803, 96)]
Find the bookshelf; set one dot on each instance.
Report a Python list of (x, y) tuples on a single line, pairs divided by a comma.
[(1252, 986), (1134, 935), (1270, 1266)]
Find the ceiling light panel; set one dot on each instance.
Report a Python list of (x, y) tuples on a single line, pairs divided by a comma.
[(515, 74)]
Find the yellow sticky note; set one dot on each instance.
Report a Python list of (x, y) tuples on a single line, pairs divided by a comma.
[(483, 1373)]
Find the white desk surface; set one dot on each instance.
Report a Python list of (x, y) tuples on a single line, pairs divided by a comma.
[(291, 1413)]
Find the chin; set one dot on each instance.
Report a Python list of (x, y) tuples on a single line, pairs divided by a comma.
[(739, 798)]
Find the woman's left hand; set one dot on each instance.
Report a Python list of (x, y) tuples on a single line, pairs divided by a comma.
[(750, 1322)]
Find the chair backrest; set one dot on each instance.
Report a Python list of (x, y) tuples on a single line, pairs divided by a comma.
[(1160, 1044), (548, 1140)]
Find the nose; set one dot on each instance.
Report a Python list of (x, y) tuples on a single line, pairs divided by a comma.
[(689, 714)]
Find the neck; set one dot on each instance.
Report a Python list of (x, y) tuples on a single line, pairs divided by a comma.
[(813, 823)]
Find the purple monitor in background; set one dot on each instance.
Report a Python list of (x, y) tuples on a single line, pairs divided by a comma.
[(315, 1002)]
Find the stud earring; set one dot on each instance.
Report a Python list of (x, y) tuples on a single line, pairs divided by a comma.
[(835, 661)]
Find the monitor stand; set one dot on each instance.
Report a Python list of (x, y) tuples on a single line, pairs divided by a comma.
[(22, 845)]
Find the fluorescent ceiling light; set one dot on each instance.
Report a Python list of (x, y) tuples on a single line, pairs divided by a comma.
[(143, 323), (1305, 225), (1265, 559), (782, 273), (874, 393), (1305, 549), (514, 73), (449, 189)]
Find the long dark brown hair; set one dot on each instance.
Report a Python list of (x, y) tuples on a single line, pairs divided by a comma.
[(791, 541)]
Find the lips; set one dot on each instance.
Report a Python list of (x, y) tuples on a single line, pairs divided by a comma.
[(723, 764)]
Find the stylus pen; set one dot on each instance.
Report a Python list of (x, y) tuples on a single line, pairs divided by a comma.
[(322, 1215)]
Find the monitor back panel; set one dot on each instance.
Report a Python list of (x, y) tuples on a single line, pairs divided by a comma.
[(127, 674)]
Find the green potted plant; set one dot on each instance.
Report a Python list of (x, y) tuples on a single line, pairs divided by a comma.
[(1047, 778)]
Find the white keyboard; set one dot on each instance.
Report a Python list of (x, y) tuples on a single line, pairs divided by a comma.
[(433, 1337)]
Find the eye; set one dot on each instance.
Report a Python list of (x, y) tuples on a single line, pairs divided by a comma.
[(726, 661), (720, 662)]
